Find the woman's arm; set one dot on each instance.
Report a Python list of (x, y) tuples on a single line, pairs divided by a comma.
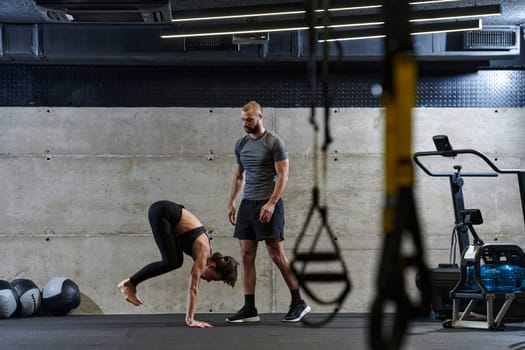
[(199, 264)]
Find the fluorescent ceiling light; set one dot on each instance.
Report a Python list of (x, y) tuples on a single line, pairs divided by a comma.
[(268, 10), (236, 13), (274, 26), (455, 13), (424, 2), (417, 29), (446, 27), (225, 31), (356, 20), (280, 10)]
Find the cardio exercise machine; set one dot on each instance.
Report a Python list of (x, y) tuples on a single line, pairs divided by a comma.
[(461, 287)]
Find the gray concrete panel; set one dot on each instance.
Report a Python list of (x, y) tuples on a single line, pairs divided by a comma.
[(77, 182)]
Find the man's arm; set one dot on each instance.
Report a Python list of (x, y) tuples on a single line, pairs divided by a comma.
[(237, 186), (281, 167)]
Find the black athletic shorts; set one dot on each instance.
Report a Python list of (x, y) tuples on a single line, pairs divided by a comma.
[(248, 226)]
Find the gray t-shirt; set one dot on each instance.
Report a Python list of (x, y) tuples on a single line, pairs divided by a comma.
[(258, 158)]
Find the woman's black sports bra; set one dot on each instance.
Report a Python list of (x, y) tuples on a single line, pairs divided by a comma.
[(187, 238)]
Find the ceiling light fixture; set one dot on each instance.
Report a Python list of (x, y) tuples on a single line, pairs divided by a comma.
[(335, 22), (424, 2), (268, 10), (279, 10), (417, 29), (274, 26), (455, 13)]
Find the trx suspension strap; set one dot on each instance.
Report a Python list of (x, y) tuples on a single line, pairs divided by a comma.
[(310, 261), (399, 220)]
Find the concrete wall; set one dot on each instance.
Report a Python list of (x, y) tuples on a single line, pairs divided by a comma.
[(77, 183)]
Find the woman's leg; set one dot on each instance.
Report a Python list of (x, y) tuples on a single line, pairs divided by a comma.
[(162, 216)]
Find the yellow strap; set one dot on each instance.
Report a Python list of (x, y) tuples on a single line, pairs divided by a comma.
[(398, 134)]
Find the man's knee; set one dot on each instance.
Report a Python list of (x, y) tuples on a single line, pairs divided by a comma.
[(276, 251), (248, 257)]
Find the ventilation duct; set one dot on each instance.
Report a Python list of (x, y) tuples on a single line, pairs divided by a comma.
[(101, 11), (491, 42), (87, 43), (492, 38), (209, 43)]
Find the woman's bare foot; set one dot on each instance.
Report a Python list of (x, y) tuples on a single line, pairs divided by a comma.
[(129, 292)]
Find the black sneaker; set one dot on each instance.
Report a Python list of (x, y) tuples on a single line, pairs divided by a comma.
[(245, 314), (297, 312)]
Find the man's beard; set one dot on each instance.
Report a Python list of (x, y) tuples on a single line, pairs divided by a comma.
[(253, 130)]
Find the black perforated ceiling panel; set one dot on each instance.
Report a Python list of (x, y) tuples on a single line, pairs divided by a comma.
[(227, 86)]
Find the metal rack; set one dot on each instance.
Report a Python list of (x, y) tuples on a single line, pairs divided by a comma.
[(473, 289)]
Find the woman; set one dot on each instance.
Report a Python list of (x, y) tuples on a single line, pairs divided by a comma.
[(177, 230)]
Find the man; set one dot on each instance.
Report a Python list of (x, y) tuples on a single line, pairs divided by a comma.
[(261, 173), (176, 231)]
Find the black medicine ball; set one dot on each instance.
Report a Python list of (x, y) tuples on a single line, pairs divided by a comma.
[(28, 296), (8, 300), (60, 296)]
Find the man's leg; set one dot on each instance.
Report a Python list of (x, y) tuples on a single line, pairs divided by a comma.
[(249, 274), (298, 307), (248, 313), (275, 249)]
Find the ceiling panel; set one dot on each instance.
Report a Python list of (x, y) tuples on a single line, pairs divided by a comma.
[(25, 11)]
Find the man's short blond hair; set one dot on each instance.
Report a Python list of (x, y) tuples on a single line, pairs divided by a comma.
[(253, 107)]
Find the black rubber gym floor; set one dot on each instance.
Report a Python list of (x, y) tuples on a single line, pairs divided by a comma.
[(168, 331)]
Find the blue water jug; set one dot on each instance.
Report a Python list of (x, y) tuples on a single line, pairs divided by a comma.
[(502, 278), (489, 275), (510, 278), (470, 282)]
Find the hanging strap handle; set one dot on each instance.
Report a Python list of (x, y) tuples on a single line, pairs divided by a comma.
[(302, 259), (391, 277), (399, 217)]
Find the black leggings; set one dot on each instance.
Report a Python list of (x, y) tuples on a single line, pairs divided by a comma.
[(163, 218)]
